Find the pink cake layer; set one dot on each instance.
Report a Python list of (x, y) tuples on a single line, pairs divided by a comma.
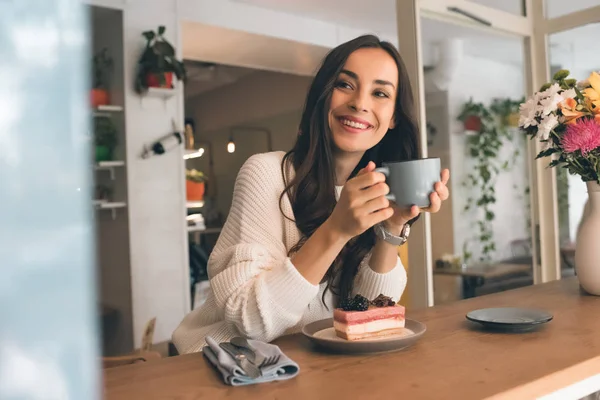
[(372, 314)]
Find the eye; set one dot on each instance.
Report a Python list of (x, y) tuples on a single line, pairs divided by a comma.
[(381, 94), (343, 85)]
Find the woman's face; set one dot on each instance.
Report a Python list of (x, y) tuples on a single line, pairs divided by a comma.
[(363, 99)]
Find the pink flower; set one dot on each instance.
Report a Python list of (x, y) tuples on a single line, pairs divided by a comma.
[(584, 135)]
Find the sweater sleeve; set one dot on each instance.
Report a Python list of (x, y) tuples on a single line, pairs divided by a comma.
[(254, 282), (370, 284)]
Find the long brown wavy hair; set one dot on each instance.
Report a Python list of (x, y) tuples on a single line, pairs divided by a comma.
[(312, 189)]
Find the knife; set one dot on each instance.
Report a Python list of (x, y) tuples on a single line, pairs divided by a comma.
[(242, 360)]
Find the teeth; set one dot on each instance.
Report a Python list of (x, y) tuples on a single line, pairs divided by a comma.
[(353, 124)]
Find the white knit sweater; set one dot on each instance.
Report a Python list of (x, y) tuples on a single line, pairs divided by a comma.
[(255, 289)]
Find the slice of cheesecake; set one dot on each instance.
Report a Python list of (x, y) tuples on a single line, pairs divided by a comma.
[(375, 321)]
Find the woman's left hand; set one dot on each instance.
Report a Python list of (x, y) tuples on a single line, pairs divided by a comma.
[(402, 215)]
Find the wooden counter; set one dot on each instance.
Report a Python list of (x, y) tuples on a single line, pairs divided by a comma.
[(454, 360)]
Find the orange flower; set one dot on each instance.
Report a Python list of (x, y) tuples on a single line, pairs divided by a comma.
[(592, 94), (569, 111)]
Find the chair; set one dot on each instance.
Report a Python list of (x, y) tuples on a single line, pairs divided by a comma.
[(144, 354)]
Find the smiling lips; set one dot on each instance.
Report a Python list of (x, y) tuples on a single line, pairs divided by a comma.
[(355, 124)]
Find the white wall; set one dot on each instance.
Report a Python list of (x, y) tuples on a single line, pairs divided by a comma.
[(483, 80)]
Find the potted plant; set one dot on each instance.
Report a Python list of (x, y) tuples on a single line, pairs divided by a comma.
[(472, 116), (194, 184), (103, 65), (157, 63), (105, 138)]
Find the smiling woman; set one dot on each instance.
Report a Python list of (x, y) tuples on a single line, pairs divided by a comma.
[(299, 238), (362, 103)]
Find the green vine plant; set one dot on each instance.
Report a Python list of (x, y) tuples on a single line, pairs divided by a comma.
[(491, 128)]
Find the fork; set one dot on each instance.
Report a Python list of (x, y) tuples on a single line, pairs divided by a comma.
[(272, 360), (259, 359)]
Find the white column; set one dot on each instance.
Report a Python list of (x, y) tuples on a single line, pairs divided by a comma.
[(156, 191), (420, 282)]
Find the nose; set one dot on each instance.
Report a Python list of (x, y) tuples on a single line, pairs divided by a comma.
[(359, 101)]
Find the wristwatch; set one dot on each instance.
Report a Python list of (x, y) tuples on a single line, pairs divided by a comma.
[(386, 235)]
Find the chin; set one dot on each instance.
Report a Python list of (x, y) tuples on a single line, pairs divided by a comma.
[(352, 144)]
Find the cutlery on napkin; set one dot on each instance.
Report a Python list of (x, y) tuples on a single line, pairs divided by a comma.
[(231, 365)]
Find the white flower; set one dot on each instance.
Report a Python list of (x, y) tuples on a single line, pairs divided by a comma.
[(551, 91), (528, 111), (526, 122), (550, 104), (569, 94), (546, 125)]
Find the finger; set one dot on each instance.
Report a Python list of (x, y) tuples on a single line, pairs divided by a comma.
[(375, 191), (442, 190), (410, 213), (368, 168), (413, 213), (445, 175), (436, 203), (368, 179), (380, 215), (376, 204)]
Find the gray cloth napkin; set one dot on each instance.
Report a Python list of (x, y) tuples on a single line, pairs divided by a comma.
[(235, 376)]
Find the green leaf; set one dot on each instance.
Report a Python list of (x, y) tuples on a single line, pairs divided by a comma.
[(164, 49), (161, 30), (547, 152), (571, 82), (545, 86), (149, 35), (560, 75), (554, 163)]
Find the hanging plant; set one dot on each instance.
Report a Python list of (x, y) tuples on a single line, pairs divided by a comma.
[(158, 63), (472, 116), (484, 146)]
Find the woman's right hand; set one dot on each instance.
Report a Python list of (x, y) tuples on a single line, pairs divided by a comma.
[(362, 203)]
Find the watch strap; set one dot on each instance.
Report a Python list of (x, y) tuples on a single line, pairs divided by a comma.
[(389, 237)]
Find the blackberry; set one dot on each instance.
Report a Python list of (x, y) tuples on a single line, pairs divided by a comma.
[(347, 305), (383, 301), (361, 303)]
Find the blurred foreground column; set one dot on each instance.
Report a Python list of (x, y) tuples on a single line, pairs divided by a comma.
[(47, 291)]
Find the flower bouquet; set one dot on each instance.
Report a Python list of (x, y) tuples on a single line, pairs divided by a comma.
[(565, 116)]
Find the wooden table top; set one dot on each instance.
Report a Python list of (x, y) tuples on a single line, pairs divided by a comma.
[(453, 360), (485, 271)]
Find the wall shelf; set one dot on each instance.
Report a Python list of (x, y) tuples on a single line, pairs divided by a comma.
[(195, 204), (107, 110), (109, 205), (160, 93), (110, 166)]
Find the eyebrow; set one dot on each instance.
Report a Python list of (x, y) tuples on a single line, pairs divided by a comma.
[(378, 81)]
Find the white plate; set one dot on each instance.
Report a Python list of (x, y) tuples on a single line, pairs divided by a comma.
[(323, 335)]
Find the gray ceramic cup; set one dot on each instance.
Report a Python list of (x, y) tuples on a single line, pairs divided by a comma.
[(411, 182)]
